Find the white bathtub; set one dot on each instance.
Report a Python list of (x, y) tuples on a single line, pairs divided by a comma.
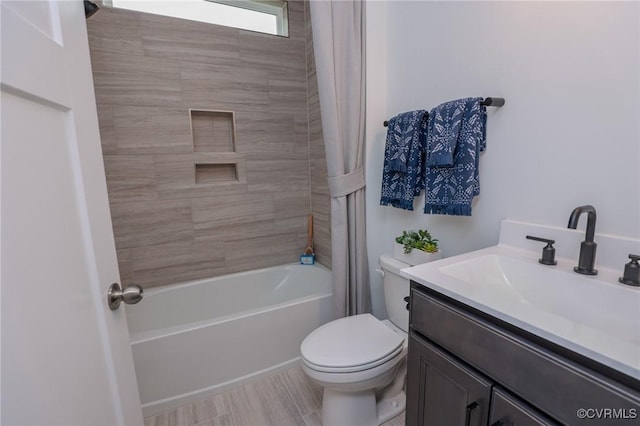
[(198, 338)]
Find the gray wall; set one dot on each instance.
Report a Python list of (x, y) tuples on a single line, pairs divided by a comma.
[(568, 134), (148, 72)]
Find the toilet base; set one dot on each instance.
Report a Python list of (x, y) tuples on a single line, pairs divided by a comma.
[(359, 408), (392, 399), (368, 407), (389, 408)]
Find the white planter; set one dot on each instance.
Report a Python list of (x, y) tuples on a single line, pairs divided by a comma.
[(415, 257)]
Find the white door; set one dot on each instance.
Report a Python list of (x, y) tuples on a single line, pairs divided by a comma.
[(66, 358)]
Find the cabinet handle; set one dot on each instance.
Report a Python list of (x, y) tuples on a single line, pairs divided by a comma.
[(470, 408)]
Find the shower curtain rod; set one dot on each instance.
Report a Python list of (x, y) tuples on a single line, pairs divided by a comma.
[(494, 102)]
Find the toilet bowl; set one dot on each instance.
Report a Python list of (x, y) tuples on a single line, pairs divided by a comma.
[(360, 361)]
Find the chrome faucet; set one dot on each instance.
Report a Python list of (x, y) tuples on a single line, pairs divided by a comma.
[(587, 258)]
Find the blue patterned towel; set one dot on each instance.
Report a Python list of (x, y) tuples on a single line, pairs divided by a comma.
[(445, 122), (402, 175), (402, 136), (450, 189)]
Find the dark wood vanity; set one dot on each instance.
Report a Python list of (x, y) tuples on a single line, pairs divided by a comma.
[(467, 368)]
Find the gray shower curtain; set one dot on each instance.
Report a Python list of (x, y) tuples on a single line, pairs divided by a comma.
[(339, 44)]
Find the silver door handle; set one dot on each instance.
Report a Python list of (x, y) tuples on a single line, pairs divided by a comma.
[(129, 295)]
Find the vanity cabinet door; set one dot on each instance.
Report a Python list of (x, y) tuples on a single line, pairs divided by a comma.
[(441, 391), (508, 410)]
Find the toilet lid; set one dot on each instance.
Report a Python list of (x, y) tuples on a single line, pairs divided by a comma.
[(351, 344)]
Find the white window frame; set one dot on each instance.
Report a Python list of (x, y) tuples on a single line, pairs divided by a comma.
[(271, 7), (277, 8)]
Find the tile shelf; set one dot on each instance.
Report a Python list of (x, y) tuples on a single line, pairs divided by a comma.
[(215, 158)]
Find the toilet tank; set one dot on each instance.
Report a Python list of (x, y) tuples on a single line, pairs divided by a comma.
[(396, 289)]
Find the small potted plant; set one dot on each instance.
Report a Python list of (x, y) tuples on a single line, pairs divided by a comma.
[(426, 247)]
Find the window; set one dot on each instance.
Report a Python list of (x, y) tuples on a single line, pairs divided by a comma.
[(264, 16)]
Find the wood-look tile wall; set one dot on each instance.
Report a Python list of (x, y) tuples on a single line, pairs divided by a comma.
[(148, 72)]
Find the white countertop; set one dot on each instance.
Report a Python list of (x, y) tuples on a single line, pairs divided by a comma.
[(594, 316)]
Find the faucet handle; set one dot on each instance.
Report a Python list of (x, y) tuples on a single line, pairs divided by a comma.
[(548, 252), (631, 272)]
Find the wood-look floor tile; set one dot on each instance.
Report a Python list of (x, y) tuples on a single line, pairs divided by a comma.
[(206, 410), (313, 419), (264, 402), (213, 411), (287, 398), (169, 418), (306, 394), (396, 421), (223, 420)]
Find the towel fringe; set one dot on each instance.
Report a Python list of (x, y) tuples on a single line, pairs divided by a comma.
[(394, 202), (448, 209)]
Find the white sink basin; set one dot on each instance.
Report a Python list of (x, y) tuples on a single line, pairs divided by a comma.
[(594, 316), (515, 284)]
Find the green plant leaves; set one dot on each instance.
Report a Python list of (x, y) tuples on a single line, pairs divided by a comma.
[(420, 240)]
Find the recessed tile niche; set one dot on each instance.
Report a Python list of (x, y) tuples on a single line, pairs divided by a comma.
[(214, 140), (211, 173), (213, 131)]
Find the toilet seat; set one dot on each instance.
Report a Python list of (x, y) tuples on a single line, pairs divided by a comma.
[(351, 344)]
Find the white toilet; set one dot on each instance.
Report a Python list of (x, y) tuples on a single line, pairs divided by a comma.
[(361, 361)]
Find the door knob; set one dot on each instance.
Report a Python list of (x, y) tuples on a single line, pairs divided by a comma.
[(129, 295)]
